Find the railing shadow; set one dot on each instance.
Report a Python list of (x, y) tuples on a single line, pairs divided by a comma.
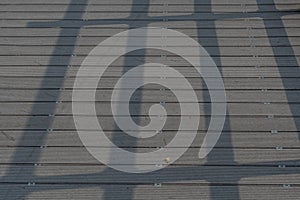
[(282, 61), (169, 174), (36, 107)]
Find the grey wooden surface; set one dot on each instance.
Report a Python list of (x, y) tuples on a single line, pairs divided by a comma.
[(254, 43)]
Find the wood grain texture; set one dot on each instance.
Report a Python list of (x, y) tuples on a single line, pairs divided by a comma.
[(148, 192), (192, 175), (247, 123), (232, 139), (84, 51), (153, 8), (219, 156), (233, 61), (142, 108), (108, 83), (42, 39), (118, 71), (255, 44)]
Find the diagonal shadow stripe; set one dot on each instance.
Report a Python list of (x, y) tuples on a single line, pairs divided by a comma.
[(281, 62), (215, 191), (64, 62), (166, 174)]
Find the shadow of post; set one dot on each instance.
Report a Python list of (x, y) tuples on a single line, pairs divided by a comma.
[(127, 65), (212, 157), (64, 62), (165, 175), (282, 61)]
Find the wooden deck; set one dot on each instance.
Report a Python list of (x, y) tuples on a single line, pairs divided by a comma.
[(255, 44)]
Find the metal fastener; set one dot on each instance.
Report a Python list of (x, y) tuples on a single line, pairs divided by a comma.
[(279, 148)]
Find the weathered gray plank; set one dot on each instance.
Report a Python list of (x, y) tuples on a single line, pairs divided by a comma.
[(130, 16), (187, 2), (84, 51), (107, 122), (261, 175), (135, 61), (148, 192), (176, 23), (109, 83), (227, 139), (153, 8), (252, 96), (219, 156), (190, 29), (118, 71), (28, 39), (257, 24), (103, 32), (142, 108)]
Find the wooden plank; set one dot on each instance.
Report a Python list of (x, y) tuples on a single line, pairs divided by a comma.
[(109, 83), (192, 31), (143, 2), (130, 16), (135, 61), (227, 139), (219, 156), (91, 41), (147, 192), (155, 16), (142, 108), (84, 51), (190, 23), (219, 24), (62, 174), (118, 71), (153, 8), (233, 96), (107, 122)]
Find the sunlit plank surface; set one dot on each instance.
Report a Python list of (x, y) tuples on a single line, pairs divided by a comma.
[(255, 45)]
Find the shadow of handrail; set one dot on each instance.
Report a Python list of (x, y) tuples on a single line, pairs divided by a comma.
[(164, 175)]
